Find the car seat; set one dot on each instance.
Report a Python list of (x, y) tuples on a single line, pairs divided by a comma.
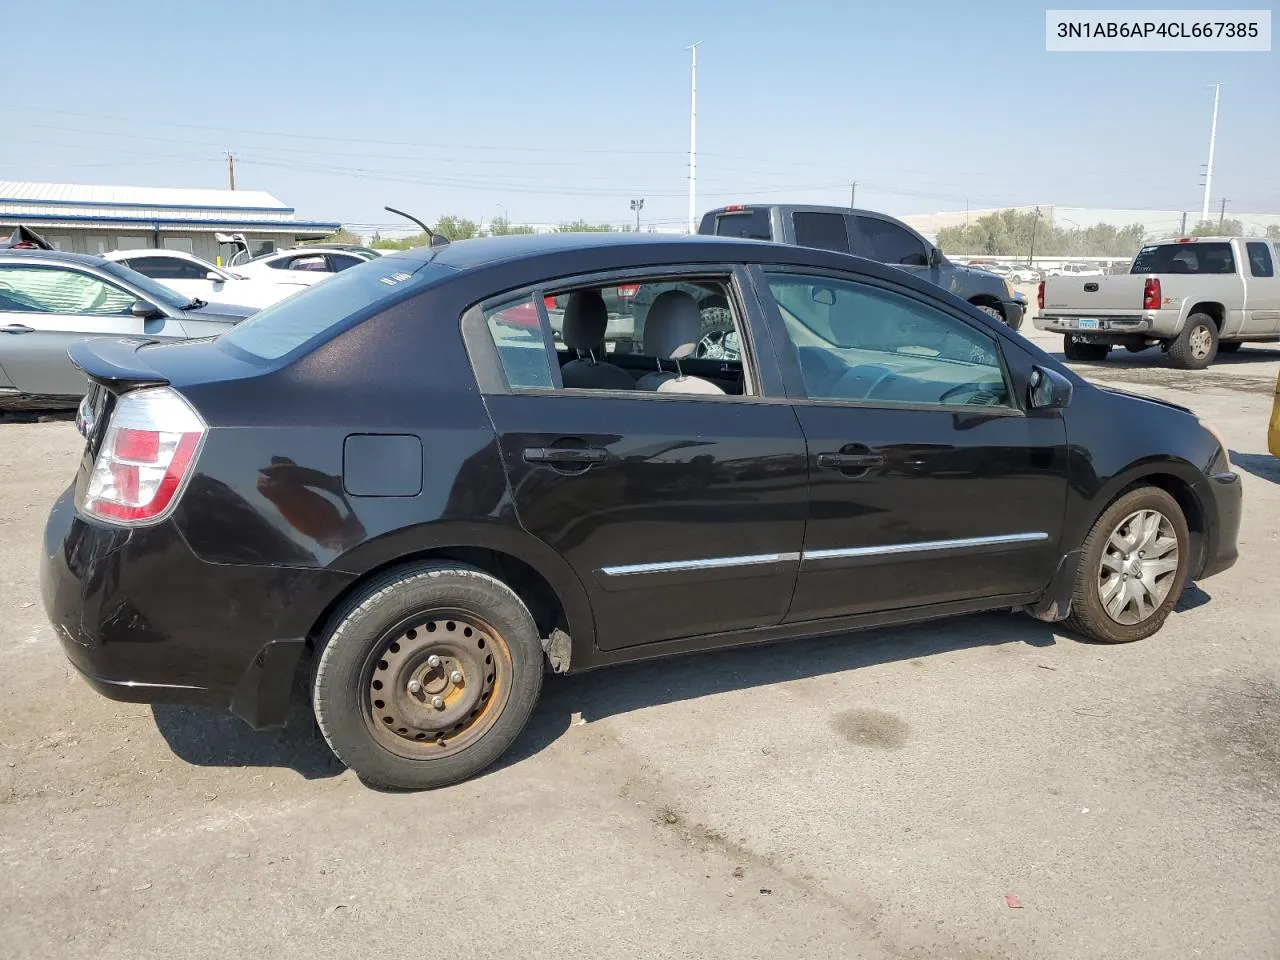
[(586, 318), (672, 329)]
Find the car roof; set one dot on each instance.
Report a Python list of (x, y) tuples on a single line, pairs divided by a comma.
[(55, 256), (804, 208), (647, 247), (150, 252)]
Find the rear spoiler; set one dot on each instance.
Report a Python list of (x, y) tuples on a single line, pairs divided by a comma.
[(114, 363)]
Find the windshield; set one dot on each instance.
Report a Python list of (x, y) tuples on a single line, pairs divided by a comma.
[(290, 323), (1184, 258), (155, 291)]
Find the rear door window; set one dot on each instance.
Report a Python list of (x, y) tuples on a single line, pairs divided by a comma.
[(311, 312), (1211, 258), (751, 224), (826, 231), (889, 243), (40, 289), (1260, 264)]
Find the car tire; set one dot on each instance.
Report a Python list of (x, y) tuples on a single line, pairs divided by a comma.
[(1120, 545), (1082, 350), (468, 643), (1197, 345), (1230, 346), (717, 325), (995, 313)]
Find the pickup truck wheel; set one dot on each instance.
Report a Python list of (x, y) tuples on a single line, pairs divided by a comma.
[(427, 676), (993, 312), (1133, 566), (719, 339), (1073, 348), (1229, 346), (1196, 346)]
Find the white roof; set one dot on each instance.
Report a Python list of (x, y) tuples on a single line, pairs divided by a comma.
[(83, 193)]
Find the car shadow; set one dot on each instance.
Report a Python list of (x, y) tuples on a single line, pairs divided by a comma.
[(210, 738), (36, 416), (1259, 464)]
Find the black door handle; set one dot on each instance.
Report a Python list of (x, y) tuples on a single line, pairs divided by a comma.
[(17, 328), (849, 461), (568, 455)]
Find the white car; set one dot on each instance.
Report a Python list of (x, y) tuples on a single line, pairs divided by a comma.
[(1075, 270), (1024, 274), (298, 266), (193, 277)]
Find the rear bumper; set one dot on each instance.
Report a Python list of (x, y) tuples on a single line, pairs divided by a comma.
[(144, 620), (1221, 496)]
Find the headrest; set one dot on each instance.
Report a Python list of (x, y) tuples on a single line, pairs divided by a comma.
[(673, 326), (585, 320)]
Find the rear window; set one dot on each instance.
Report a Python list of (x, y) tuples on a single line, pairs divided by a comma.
[(288, 324), (1184, 258), (752, 224)]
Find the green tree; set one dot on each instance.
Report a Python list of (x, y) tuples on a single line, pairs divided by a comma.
[(1009, 233), (404, 243), (1273, 231), (502, 227), (456, 228), (1209, 228), (582, 226), (342, 235)]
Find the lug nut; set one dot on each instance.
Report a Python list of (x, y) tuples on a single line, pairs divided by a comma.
[(455, 677), (433, 661), (415, 686), (438, 702)]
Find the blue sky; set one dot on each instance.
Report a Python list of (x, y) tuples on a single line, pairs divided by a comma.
[(552, 111)]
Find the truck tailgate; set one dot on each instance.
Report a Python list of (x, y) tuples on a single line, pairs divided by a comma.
[(1094, 296)]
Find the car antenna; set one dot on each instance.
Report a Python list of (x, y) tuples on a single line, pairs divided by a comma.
[(433, 239)]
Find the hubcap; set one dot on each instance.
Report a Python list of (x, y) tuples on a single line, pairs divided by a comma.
[(1200, 341), (436, 686), (718, 345), (1138, 568)]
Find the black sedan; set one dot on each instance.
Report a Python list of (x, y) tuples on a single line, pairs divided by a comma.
[(388, 482)]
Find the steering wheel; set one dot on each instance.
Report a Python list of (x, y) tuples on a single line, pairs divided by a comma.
[(973, 389)]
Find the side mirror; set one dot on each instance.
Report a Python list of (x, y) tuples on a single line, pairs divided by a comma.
[(214, 276), (935, 256), (1048, 390), (145, 311), (824, 295)]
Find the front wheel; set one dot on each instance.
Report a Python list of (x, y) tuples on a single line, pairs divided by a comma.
[(427, 676), (1133, 567), (1074, 348), (1196, 346)]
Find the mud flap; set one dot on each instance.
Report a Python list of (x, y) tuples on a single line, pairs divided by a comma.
[(1055, 603)]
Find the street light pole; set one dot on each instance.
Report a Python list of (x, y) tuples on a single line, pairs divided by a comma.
[(637, 206), (1208, 170), (1032, 255), (693, 136)]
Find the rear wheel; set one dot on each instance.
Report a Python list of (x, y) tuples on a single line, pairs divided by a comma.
[(719, 340), (427, 676), (1196, 346), (1074, 348), (1133, 567)]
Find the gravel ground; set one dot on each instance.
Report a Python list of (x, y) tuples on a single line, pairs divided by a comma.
[(879, 795)]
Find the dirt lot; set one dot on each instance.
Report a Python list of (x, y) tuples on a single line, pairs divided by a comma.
[(879, 795)]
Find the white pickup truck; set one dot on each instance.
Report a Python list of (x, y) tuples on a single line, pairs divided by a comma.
[(1194, 296)]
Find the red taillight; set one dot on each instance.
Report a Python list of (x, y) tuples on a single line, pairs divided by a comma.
[(1186, 239), (146, 455), (1040, 295), (1151, 294), (549, 301), (735, 208), (628, 290)]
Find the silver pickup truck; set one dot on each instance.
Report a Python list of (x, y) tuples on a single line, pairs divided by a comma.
[(1194, 296)]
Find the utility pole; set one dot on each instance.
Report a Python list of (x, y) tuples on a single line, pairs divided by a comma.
[(1222, 214), (853, 193), (1182, 230), (637, 206), (1208, 170), (1032, 255), (693, 137), (231, 170)]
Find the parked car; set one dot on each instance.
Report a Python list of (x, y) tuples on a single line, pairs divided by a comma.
[(1194, 296), (1001, 270), (50, 300), (423, 517), (1074, 270), (865, 233), (1024, 274), (196, 278), (300, 266)]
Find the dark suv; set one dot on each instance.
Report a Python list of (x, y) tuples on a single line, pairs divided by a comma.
[(385, 485), (876, 236)]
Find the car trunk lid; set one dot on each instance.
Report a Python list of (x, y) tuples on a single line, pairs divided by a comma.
[(1094, 296)]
